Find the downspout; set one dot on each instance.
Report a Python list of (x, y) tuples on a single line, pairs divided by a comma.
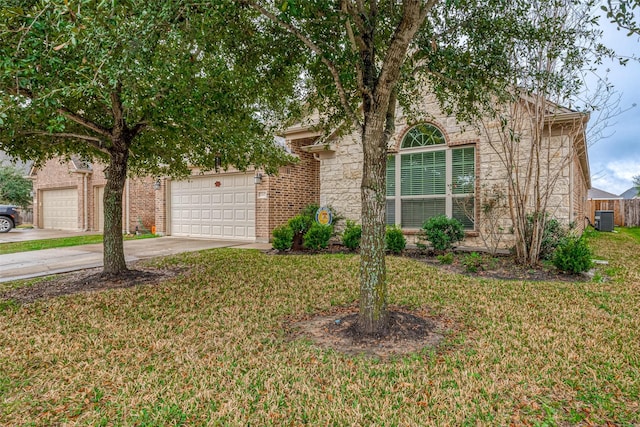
[(86, 201), (127, 207)]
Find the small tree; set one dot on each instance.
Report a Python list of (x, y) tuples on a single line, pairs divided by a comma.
[(528, 133), (636, 183), (14, 188)]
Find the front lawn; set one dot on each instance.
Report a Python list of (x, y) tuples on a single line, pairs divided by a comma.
[(36, 245), (208, 348)]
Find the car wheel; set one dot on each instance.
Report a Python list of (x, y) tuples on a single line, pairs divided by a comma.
[(5, 224)]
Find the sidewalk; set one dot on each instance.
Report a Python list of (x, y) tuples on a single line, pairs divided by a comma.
[(25, 265)]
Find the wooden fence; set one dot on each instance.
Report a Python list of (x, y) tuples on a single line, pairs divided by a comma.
[(632, 213), (626, 213)]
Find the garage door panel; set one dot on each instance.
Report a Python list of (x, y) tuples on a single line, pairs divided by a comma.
[(224, 211), (60, 209)]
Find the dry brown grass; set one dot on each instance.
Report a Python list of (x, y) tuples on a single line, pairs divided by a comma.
[(208, 348)]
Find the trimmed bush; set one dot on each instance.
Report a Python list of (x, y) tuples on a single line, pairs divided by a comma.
[(573, 256), (300, 223), (443, 232), (395, 240), (351, 235), (318, 236), (282, 238)]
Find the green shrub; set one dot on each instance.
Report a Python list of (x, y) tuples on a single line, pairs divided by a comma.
[(446, 258), (318, 236), (300, 224), (351, 235), (473, 262), (395, 240), (552, 235), (573, 256), (282, 238), (443, 232)]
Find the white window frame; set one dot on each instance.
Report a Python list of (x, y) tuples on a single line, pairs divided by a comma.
[(448, 196)]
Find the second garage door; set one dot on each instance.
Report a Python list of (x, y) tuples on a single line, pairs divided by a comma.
[(221, 206), (60, 209)]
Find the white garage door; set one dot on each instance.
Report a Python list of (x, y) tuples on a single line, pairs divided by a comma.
[(60, 209), (221, 207)]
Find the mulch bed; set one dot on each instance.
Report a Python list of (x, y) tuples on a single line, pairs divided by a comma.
[(89, 280), (408, 332)]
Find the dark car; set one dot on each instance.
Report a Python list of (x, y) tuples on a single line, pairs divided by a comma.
[(9, 218)]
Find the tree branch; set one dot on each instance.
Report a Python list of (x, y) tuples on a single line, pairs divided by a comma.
[(116, 110), (93, 140), (413, 15), (83, 122), (357, 44), (344, 99)]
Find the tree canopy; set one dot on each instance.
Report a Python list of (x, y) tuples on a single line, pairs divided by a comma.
[(148, 87), (15, 189), (625, 14)]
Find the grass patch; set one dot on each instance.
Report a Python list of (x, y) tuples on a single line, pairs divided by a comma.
[(36, 245), (208, 348)]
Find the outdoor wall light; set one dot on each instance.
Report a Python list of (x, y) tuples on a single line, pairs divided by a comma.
[(258, 178), (157, 184)]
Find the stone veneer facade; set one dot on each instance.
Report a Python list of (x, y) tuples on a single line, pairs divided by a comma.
[(341, 171)]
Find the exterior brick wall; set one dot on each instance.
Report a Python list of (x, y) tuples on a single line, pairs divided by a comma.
[(282, 196), (57, 174)]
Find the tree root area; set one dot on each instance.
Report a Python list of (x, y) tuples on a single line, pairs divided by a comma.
[(408, 332), (91, 280)]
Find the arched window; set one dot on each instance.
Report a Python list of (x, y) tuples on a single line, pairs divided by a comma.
[(427, 178)]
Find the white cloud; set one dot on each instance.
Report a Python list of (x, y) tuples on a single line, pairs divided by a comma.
[(615, 176)]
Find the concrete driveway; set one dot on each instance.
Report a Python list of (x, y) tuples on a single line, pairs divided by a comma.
[(24, 265)]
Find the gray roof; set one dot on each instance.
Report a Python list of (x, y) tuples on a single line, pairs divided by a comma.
[(597, 194), (631, 193), (23, 167)]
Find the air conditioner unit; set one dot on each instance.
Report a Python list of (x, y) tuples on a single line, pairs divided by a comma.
[(604, 220)]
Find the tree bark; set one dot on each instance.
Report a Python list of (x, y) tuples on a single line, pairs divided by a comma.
[(114, 261), (373, 317)]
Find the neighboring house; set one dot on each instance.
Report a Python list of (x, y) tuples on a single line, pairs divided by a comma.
[(631, 193), (68, 195), (22, 167), (600, 200), (437, 166), (232, 205)]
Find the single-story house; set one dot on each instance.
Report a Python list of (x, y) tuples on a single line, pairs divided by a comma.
[(630, 194), (434, 164)]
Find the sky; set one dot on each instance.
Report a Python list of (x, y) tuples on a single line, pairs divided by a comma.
[(615, 158)]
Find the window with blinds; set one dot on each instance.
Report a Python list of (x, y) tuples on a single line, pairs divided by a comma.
[(432, 180)]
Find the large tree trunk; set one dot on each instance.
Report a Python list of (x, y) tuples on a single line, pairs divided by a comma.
[(114, 261), (373, 317)]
